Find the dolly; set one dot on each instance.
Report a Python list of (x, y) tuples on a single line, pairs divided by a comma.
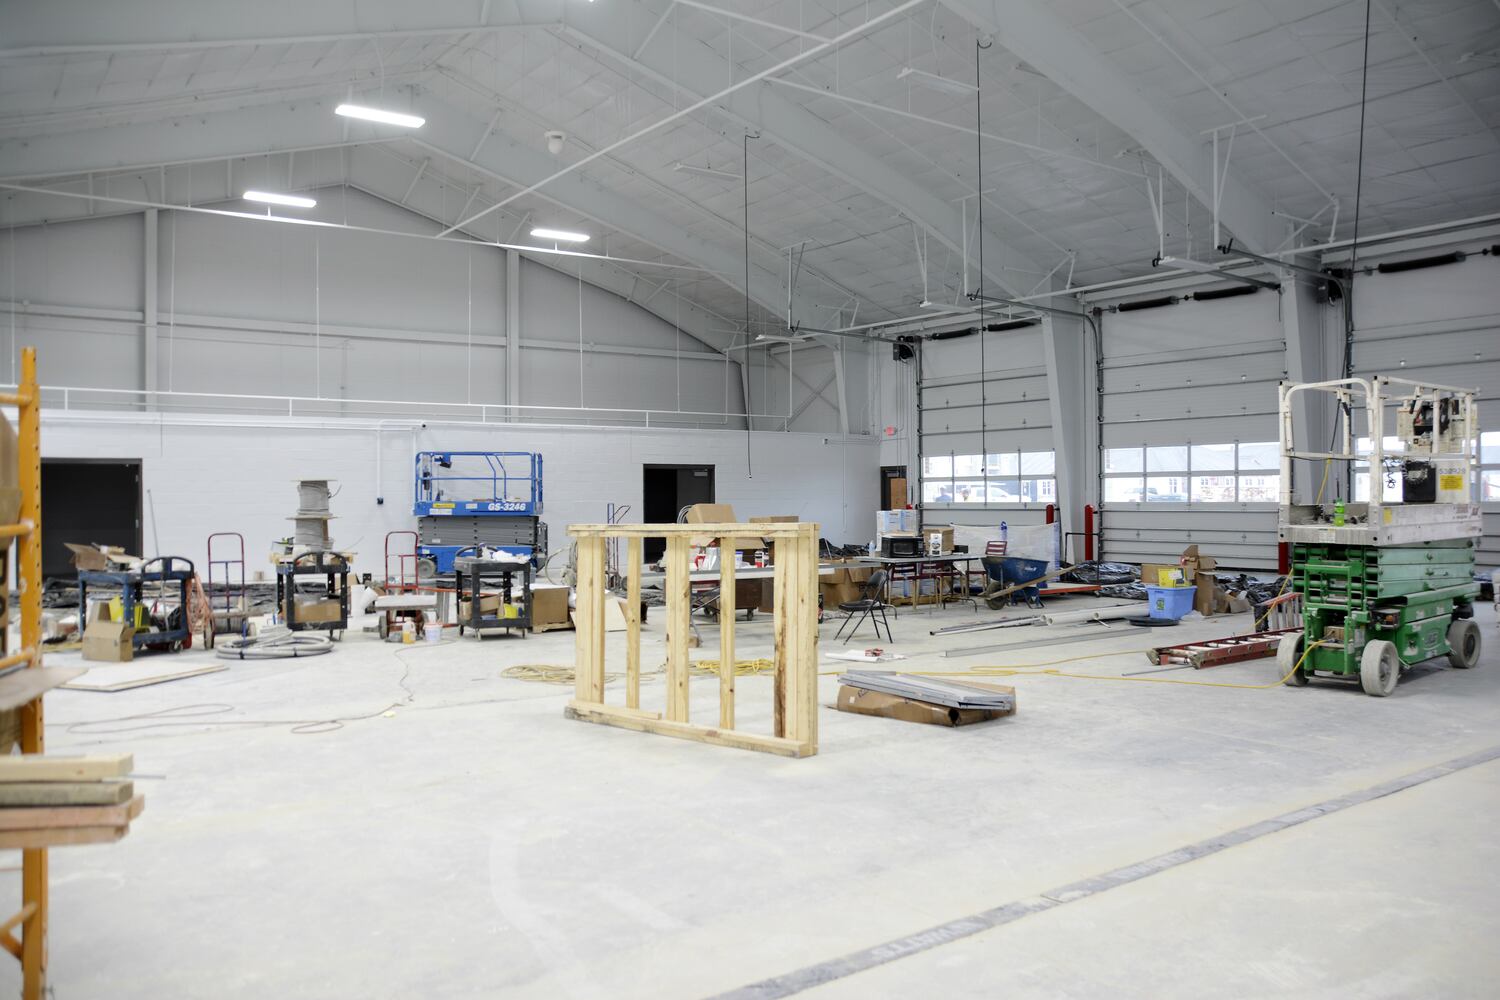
[(1387, 583)]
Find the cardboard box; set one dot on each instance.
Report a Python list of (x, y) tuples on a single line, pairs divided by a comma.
[(776, 519), (107, 640), (317, 609), (489, 604), (98, 556), (549, 608), (892, 522), (898, 492), (889, 706), (718, 513), (946, 539)]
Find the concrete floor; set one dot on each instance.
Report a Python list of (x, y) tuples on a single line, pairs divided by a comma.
[(463, 839)]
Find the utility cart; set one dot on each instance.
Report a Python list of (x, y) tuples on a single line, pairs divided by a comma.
[(507, 604), (173, 631), (327, 608), (1385, 582)]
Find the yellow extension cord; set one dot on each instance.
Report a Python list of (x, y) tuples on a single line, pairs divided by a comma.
[(564, 675), (546, 673)]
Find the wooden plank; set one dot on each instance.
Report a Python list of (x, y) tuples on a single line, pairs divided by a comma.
[(768, 529), (726, 641), (36, 767), (608, 715), (679, 627), (65, 793), (60, 836), (633, 560), (807, 650), (22, 686), (41, 817), (113, 677), (589, 621), (783, 605)]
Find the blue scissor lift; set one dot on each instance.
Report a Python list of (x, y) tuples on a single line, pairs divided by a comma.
[(488, 499)]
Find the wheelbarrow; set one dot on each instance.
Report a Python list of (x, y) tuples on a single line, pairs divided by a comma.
[(1007, 571)]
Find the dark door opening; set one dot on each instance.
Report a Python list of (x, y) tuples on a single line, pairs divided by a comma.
[(666, 490), (893, 488), (88, 500)]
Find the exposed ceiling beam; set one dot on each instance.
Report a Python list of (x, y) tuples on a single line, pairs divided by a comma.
[(78, 25), (695, 70), (1034, 31), (449, 132)]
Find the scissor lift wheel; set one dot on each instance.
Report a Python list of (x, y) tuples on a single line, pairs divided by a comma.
[(1288, 652), (1379, 668), (1463, 643)]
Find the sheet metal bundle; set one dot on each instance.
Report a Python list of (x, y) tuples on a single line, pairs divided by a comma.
[(950, 694)]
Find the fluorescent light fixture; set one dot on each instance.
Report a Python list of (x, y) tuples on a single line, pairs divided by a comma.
[(1203, 267), (771, 338), (379, 115), (272, 198), (719, 175), (934, 82), (560, 234), (1188, 264)]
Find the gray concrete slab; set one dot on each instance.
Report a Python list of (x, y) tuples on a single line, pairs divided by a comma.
[(457, 837)]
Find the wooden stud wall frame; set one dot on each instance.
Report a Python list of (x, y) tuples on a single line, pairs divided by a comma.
[(795, 698)]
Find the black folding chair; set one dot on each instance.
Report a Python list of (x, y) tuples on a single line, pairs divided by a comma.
[(867, 606)]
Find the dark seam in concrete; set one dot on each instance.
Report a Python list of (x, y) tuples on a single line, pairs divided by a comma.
[(925, 940)]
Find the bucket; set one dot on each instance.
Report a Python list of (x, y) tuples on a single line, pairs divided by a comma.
[(433, 630), (1170, 602), (510, 611)]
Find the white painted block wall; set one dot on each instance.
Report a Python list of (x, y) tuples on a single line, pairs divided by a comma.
[(239, 476)]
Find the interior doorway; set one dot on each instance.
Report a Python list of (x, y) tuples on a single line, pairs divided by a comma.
[(893, 487), (89, 500), (666, 489)]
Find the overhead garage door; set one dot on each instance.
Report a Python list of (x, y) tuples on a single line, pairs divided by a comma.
[(986, 429), (1441, 325), (1189, 431)]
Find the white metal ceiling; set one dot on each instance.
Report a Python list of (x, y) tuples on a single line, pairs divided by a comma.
[(1063, 187)]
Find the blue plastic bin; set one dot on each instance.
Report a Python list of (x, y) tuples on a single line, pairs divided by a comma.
[(1170, 602)]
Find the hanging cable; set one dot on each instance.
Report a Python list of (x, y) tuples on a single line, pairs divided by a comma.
[(984, 449), (745, 167)]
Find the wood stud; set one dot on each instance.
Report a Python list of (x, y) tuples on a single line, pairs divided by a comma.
[(795, 723)]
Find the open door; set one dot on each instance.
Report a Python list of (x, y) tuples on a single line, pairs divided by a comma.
[(666, 489), (89, 500)]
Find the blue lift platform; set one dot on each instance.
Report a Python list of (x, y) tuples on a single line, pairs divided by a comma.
[(488, 499)]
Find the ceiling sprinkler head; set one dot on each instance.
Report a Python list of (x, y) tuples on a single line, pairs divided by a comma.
[(555, 142)]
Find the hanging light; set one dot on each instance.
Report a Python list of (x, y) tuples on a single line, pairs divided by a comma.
[(560, 234), (379, 115), (272, 198)]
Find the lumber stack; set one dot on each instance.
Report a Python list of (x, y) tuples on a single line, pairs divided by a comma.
[(53, 801)]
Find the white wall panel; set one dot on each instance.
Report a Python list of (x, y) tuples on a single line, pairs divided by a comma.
[(250, 308), (238, 476)]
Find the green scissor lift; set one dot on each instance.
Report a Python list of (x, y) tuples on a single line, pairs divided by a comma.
[(1383, 585), (1388, 606)]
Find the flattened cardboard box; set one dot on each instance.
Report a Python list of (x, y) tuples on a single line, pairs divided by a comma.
[(889, 706)]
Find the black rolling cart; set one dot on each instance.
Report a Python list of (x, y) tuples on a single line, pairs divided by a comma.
[(472, 574), (330, 609), (174, 633)]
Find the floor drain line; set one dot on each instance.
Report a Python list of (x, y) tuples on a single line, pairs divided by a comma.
[(954, 930)]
